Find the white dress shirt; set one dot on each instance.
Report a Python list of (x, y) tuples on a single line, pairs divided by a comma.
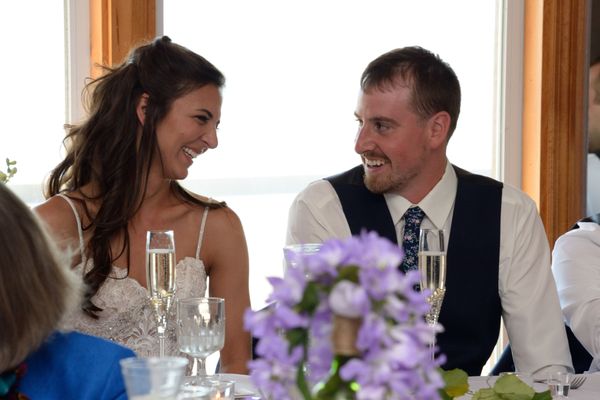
[(576, 268), (530, 306)]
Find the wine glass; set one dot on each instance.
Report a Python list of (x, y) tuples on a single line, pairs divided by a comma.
[(200, 328), (160, 278), (432, 266)]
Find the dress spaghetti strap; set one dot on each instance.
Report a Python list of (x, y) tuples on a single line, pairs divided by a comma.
[(201, 234), (79, 229)]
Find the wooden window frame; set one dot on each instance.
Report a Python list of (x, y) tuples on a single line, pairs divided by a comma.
[(554, 110), (115, 27)]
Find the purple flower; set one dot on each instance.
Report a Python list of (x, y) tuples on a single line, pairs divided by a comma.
[(289, 289), (357, 277), (349, 300)]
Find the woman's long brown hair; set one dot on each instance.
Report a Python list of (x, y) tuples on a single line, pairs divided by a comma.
[(105, 149)]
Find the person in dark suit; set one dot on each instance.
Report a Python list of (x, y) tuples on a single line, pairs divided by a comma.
[(498, 258), (37, 288)]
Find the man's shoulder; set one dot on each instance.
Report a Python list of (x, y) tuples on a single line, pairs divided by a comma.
[(318, 190), (320, 193), (512, 196), (471, 177)]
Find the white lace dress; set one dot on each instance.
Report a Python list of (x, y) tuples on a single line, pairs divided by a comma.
[(127, 316)]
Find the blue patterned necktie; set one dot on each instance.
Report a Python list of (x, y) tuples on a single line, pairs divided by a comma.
[(410, 240)]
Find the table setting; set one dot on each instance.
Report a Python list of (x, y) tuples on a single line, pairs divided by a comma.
[(589, 390), (200, 327), (343, 321)]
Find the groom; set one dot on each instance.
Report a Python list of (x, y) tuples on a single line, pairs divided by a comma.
[(498, 259)]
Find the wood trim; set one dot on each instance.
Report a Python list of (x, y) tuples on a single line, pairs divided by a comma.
[(554, 136), (115, 27)]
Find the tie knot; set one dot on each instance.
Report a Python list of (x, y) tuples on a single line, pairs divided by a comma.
[(414, 216)]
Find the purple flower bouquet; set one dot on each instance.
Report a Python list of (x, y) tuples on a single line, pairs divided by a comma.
[(355, 278)]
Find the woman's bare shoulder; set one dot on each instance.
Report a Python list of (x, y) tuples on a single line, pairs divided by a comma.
[(58, 217), (224, 218), (206, 200)]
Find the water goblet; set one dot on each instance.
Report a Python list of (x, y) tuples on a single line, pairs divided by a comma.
[(200, 328), (160, 278), (432, 268)]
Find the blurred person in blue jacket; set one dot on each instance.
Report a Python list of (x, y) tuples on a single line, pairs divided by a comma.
[(37, 288)]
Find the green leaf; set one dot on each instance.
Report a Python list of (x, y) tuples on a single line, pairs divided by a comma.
[(301, 383), (348, 273), (310, 299), (10, 171), (542, 396), (297, 337), (456, 382), (444, 395), (486, 394), (510, 387), (513, 386)]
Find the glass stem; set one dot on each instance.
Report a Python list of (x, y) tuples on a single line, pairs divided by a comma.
[(200, 364), (160, 329), (432, 346)]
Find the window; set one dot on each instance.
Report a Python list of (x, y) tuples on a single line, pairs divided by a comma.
[(292, 73), (292, 81), (32, 77)]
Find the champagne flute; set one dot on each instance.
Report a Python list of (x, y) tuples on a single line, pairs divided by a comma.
[(432, 266), (160, 278), (200, 329)]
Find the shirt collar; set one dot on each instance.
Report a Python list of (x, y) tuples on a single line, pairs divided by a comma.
[(437, 204)]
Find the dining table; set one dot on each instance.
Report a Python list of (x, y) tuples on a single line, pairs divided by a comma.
[(590, 390)]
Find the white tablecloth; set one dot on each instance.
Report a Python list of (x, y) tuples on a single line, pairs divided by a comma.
[(590, 390)]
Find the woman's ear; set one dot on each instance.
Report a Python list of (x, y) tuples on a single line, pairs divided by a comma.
[(439, 124), (141, 107)]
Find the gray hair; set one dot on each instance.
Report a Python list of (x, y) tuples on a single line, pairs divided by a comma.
[(37, 286)]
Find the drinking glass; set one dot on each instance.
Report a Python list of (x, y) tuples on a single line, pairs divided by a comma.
[(432, 266), (160, 278), (200, 328), (153, 377), (559, 383), (294, 252), (207, 388)]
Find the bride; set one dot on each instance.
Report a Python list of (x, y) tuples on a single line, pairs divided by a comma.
[(149, 118)]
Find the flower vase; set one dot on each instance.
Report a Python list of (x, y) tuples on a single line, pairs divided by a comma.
[(343, 338)]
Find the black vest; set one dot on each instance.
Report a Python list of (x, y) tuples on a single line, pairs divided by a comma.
[(471, 310)]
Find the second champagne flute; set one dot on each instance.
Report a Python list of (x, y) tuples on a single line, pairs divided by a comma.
[(432, 266), (160, 278)]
